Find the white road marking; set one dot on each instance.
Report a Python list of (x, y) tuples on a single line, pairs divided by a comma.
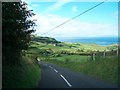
[(62, 77), (55, 70), (51, 67), (66, 81)]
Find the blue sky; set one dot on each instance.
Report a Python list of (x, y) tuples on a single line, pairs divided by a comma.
[(103, 11), (100, 22)]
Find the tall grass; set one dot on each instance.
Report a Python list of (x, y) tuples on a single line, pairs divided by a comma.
[(24, 75)]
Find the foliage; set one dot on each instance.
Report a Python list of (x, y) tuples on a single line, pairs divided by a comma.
[(17, 71), (17, 27)]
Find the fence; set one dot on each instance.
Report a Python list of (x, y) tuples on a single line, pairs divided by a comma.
[(104, 54)]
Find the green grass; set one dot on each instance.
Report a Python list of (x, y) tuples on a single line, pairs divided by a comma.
[(102, 68), (66, 47), (24, 75), (73, 58)]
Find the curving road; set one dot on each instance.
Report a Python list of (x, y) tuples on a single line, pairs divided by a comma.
[(54, 76)]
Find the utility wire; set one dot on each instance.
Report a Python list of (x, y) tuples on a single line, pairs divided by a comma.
[(75, 17)]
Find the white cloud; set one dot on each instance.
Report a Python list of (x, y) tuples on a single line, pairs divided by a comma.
[(73, 28), (58, 5), (74, 9)]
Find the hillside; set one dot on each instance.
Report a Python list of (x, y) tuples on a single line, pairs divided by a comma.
[(45, 39), (58, 46)]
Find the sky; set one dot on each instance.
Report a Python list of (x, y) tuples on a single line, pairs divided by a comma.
[(101, 21)]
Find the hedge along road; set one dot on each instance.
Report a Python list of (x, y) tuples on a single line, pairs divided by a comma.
[(54, 76)]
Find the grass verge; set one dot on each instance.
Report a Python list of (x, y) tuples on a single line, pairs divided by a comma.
[(24, 75)]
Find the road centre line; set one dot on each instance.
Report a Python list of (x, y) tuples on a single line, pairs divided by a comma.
[(55, 70), (62, 77), (66, 80), (51, 67)]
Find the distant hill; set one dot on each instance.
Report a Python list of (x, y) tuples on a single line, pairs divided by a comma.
[(48, 40)]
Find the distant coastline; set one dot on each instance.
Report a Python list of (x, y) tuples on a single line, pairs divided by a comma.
[(90, 40)]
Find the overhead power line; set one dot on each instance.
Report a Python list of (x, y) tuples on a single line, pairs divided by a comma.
[(75, 17)]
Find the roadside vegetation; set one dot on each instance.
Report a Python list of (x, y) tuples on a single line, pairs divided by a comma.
[(19, 70), (78, 57), (26, 74)]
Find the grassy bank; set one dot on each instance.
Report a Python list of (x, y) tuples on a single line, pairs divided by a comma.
[(24, 75), (102, 68)]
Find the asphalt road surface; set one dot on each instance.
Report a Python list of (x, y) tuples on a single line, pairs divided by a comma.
[(54, 76)]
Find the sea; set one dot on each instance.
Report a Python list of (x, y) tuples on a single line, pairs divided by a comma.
[(104, 41)]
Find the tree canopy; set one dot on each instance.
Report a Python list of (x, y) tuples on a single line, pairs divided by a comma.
[(17, 27)]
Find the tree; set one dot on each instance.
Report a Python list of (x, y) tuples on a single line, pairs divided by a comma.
[(16, 29)]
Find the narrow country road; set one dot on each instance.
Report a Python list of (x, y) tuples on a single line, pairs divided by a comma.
[(54, 76)]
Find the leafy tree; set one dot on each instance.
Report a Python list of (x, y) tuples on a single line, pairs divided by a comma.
[(16, 29)]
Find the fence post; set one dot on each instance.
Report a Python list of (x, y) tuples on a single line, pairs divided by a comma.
[(104, 53), (87, 57), (93, 56), (117, 52)]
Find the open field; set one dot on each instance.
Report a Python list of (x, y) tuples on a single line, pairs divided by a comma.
[(73, 58)]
